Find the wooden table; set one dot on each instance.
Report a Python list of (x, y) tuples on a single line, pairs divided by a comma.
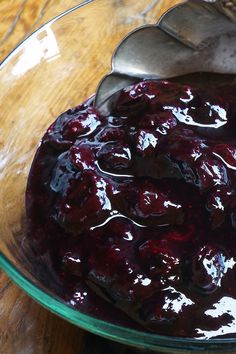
[(25, 327)]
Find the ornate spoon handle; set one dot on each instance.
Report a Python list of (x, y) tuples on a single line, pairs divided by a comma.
[(227, 7)]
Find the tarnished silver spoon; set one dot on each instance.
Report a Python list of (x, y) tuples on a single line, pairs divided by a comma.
[(195, 36)]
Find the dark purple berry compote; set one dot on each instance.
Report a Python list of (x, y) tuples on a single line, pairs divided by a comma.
[(136, 210)]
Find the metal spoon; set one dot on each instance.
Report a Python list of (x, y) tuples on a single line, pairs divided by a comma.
[(195, 36)]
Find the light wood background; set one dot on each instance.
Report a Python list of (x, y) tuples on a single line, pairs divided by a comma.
[(25, 327)]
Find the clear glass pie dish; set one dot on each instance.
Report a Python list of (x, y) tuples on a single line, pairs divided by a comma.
[(58, 67)]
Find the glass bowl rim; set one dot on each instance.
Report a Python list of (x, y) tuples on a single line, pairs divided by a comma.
[(124, 335)]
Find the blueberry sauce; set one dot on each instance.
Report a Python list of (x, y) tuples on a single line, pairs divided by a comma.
[(137, 210)]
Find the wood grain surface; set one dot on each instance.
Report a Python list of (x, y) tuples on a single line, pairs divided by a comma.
[(25, 327)]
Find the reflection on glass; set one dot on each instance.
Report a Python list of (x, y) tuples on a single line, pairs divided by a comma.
[(44, 46)]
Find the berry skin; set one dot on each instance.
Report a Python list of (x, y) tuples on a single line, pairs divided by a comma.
[(161, 259), (161, 122), (115, 157), (71, 125), (84, 203), (153, 205), (83, 123), (82, 156), (185, 146), (146, 142), (226, 153), (64, 173), (72, 264), (209, 267), (219, 201), (112, 134), (211, 173)]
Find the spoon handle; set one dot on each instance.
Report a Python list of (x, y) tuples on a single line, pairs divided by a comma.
[(227, 7), (198, 24)]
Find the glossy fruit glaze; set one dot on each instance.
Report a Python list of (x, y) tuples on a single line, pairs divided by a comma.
[(136, 211)]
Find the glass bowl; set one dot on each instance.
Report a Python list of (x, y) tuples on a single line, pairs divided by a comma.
[(54, 69)]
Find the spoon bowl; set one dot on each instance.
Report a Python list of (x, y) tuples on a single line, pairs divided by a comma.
[(202, 33)]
